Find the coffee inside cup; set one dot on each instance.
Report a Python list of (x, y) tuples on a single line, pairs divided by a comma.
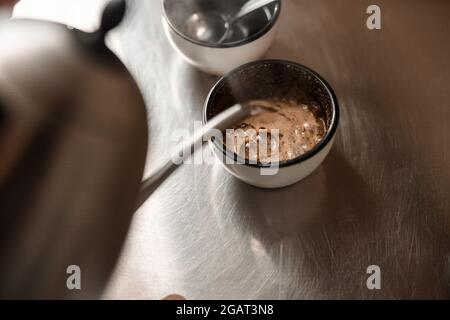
[(283, 130)]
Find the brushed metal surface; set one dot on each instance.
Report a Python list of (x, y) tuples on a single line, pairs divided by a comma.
[(382, 196)]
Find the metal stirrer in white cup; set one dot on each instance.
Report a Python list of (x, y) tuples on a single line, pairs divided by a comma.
[(215, 28), (220, 122)]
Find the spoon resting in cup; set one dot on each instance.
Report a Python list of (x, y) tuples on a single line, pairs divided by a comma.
[(213, 27), (220, 122)]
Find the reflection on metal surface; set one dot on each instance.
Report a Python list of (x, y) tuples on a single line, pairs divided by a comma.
[(382, 196)]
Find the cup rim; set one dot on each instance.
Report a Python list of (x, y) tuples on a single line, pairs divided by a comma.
[(239, 43), (310, 153)]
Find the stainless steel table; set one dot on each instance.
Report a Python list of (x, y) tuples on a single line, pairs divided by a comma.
[(381, 198)]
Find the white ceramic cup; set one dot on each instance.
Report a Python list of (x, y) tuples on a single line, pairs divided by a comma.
[(274, 79), (221, 58)]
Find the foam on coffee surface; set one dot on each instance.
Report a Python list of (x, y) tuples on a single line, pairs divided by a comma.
[(299, 129)]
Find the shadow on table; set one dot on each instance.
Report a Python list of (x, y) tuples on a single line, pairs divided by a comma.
[(323, 232), (319, 231)]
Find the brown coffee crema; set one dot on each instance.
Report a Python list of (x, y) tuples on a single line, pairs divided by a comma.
[(279, 131)]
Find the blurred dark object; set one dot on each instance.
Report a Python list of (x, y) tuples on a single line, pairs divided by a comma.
[(7, 3), (73, 138), (6, 7)]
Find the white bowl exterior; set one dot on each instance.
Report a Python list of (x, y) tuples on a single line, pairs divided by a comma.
[(285, 176), (219, 61)]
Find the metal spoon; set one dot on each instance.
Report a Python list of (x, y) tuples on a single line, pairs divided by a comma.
[(249, 7), (220, 122), (213, 27)]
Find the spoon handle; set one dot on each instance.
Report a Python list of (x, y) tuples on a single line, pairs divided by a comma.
[(251, 6), (160, 174)]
